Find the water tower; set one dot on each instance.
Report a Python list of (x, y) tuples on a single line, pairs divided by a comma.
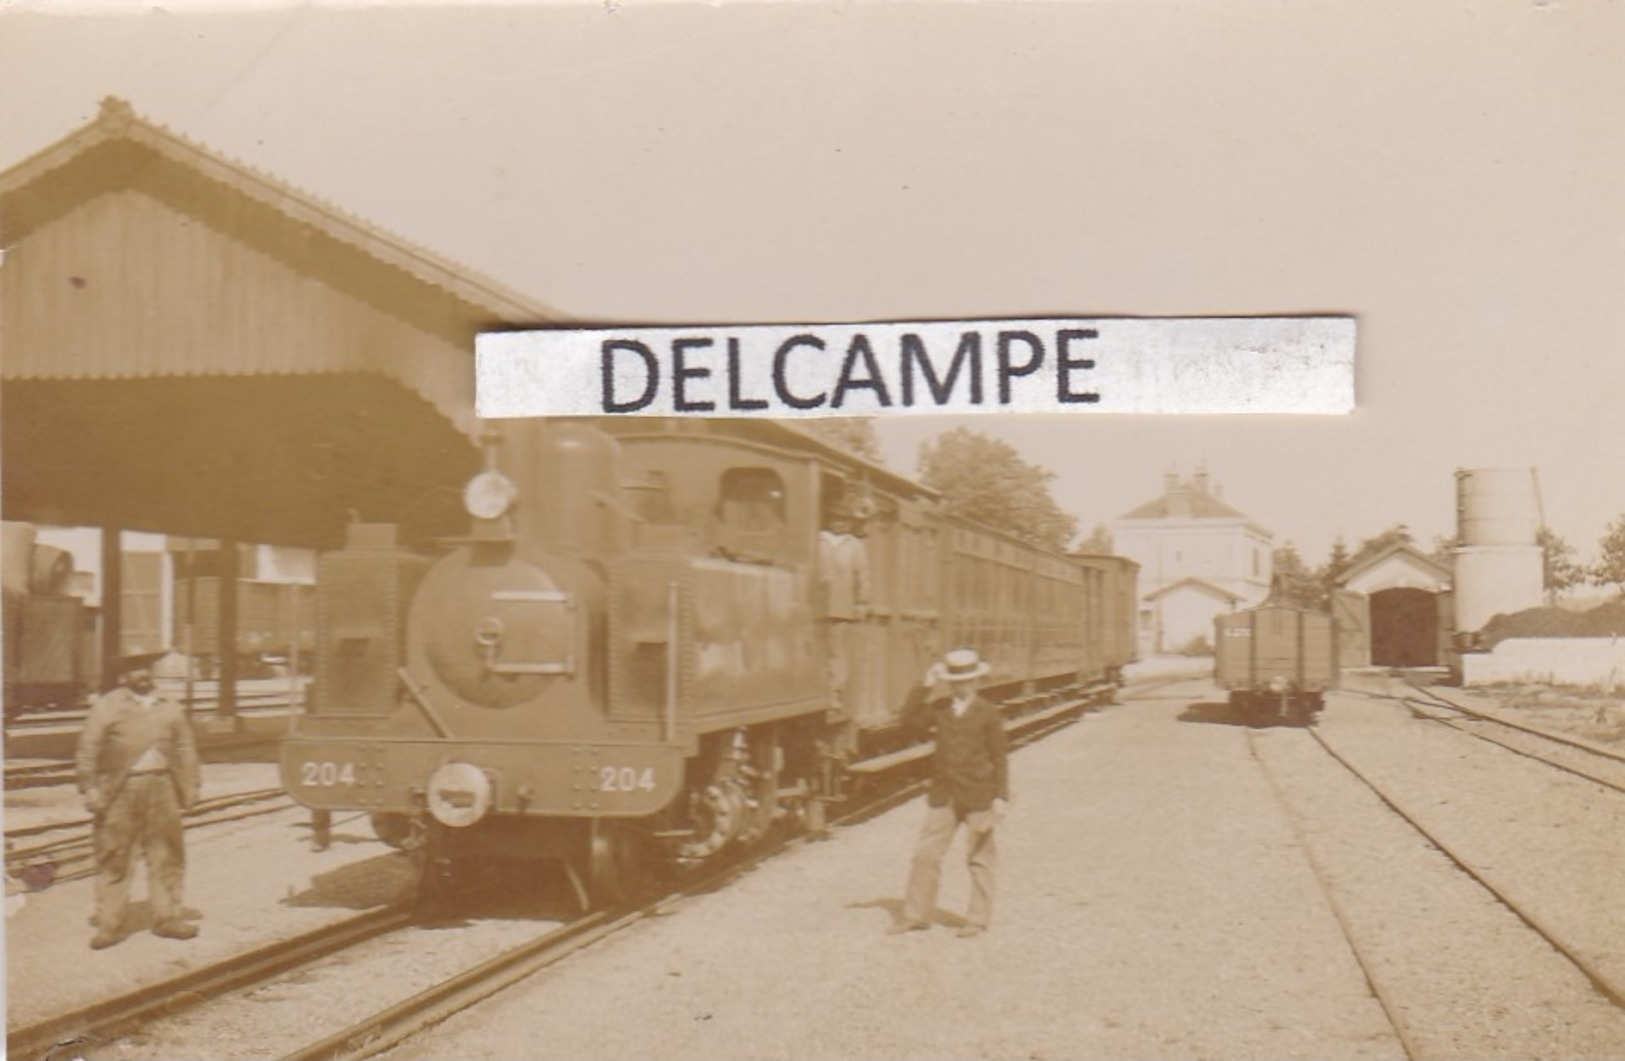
[(1498, 560)]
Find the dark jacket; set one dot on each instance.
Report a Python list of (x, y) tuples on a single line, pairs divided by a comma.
[(119, 729), (972, 765)]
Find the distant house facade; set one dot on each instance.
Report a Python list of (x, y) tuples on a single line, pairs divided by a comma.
[(1183, 612), (1198, 557)]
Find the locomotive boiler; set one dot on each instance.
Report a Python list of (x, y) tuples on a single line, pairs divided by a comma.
[(627, 659)]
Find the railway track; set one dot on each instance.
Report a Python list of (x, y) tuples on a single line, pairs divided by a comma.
[(1521, 904), (1391, 1007), (1600, 979), (74, 1033), (103, 1022), (1581, 758), (249, 701), (71, 857), (386, 1029)]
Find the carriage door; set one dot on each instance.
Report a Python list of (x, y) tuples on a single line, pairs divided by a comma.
[(1352, 612), (853, 579)]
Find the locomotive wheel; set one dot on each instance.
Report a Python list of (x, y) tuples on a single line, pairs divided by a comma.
[(616, 869)]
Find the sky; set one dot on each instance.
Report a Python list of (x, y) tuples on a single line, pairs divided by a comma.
[(1452, 175)]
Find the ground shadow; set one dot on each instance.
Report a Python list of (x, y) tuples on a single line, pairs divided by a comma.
[(364, 885), (1213, 713), (501, 890), (894, 912), (1224, 713), (138, 917)]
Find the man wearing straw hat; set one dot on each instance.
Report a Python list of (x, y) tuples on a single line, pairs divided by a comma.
[(970, 784), (138, 770)]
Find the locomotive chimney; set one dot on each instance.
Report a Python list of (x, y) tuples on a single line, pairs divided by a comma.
[(570, 489)]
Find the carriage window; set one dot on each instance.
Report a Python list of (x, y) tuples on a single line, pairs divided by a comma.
[(752, 499)]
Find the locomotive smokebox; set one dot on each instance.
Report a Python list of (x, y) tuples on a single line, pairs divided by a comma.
[(571, 489)]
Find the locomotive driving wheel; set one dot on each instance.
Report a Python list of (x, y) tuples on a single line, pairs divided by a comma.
[(616, 868)]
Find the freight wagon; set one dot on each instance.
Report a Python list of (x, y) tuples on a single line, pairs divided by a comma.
[(1277, 660)]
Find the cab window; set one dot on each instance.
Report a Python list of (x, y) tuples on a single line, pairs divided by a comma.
[(752, 500)]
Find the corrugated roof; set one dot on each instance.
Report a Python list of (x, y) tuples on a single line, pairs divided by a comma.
[(194, 347), (120, 149)]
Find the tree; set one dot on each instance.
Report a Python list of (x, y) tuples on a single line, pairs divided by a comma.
[(1332, 570), (1099, 540), (1609, 570), (1397, 534), (986, 480), (1558, 568), (1294, 582), (855, 434)]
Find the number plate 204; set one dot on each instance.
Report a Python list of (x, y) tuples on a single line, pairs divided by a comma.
[(326, 773)]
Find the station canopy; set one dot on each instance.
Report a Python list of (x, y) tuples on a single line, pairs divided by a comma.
[(188, 346)]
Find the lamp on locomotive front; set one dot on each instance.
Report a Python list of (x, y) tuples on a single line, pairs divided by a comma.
[(489, 495)]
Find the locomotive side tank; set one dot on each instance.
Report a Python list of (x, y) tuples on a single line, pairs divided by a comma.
[(627, 661)]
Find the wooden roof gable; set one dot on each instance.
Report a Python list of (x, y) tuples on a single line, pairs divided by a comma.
[(119, 150)]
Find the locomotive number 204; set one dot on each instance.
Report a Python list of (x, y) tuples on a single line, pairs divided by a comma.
[(626, 779), (326, 774)]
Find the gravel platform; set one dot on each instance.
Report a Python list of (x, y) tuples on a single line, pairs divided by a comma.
[(1153, 902), (254, 881), (1172, 885)]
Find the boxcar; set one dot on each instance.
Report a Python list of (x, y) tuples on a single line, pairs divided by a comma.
[(1276, 660)]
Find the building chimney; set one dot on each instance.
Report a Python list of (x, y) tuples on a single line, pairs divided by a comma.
[(1170, 482), (1199, 482)]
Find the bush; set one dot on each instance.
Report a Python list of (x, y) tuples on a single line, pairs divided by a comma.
[(1197, 646)]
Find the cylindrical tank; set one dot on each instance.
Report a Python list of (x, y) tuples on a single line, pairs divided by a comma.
[(17, 557), (1497, 506), (1495, 579), (570, 488), (50, 570)]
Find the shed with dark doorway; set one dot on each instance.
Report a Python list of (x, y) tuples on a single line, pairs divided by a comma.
[(1393, 609)]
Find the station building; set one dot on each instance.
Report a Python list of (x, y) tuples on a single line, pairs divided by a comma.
[(1199, 557)]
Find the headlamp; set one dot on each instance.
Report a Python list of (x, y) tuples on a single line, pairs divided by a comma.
[(489, 495)]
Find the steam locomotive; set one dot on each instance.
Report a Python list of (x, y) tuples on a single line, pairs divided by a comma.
[(49, 639), (627, 660)]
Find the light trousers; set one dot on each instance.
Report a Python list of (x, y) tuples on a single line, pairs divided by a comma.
[(145, 816), (925, 872)]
